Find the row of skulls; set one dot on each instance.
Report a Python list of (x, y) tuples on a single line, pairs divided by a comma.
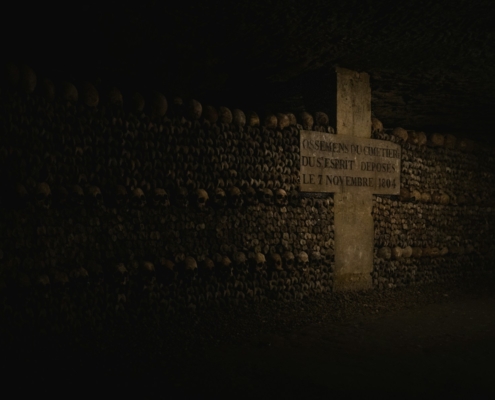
[(158, 198), (180, 266), (421, 139), (24, 78)]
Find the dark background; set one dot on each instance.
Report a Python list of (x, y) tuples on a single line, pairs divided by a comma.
[(431, 63)]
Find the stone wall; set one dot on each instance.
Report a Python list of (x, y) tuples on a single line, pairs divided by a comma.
[(198, 205)]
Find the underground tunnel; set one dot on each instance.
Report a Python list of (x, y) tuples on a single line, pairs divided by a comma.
[(262, 199)]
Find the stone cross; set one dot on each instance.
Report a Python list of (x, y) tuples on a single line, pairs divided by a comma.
[(354, 167), (354, 229)]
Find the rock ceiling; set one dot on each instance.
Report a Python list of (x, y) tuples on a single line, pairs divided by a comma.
[(431, 63)]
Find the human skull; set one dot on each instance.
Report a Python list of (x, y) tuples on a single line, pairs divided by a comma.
[(210, 114), (225, 115), (407, 252), (267, 196), (385, 253), (160, 198), (376, 125), (138, 198), (289, 260), (259, 262), (396, 253), (307, 120), (182, 197), (415, 195), (302, 261), (190, 264), (201, 199), (252, 119), (281, 197), (194, 109), (238, 117), (321, 119), (121, 274), (115, 98), (251, 196), (77, 195), (271, 121), (89, 95), (276, 262), (240, 259), (235, 197), (43, 195), (283, 121), (120, 196), (219, 197), (401, 133), (69, 93), (158, 104), (94, 196)]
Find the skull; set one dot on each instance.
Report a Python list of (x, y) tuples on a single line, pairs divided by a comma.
[(307, 120), (43, 195), (89, 95), (385, 253), (182, 197), (159, 104), (238, 117), (235, 197), (77, 195), (276, 262), (121, 274), (210, 114), (281, 197), (253, 119), (396, 253), (407, 252), (207, 265), (69, 92), (94, 196), (283, 121), (219, 198), (120, 196), (400, 133), (240, 259), (138, 198), (321, 118), (271, 121), (415, 195), (115, 97), (201, 199), (258, 262), (251, 197), (194, 109), (267, 196), (190, 264), (289, 260), (302, 261), (376, 125), (160, 198), (225, 115)]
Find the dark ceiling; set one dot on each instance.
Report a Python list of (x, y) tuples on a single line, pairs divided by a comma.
[(432, 63)]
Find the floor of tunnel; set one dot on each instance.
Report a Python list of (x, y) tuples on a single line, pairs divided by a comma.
[(410, 342)]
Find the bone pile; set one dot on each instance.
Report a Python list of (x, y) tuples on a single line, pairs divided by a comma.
[(191, 205)]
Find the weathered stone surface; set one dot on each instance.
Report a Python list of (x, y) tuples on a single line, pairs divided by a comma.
[(353, 103), (339, 163)]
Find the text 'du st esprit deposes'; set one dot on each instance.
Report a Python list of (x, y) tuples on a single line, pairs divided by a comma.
[(339, 163)]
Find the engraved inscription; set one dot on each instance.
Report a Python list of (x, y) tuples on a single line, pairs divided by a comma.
[(340, 163)]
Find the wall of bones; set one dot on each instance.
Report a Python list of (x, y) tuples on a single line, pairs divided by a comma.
[(200, 205)]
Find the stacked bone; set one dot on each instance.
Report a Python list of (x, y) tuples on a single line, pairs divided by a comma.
[(109, 189), (423, 235)]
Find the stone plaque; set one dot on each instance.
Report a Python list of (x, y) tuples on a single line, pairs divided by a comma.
[(340, 163)]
